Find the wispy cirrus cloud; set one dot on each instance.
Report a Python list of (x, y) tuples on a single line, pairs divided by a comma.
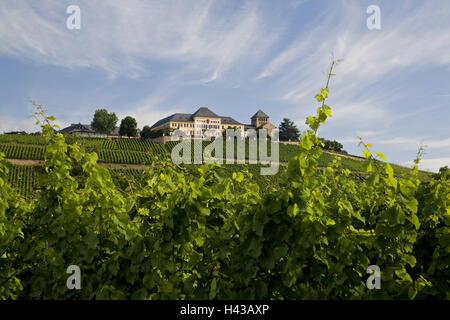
[(120, 37), (369, 57), (150, 109)]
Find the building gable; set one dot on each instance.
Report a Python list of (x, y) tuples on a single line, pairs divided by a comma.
[(205, 113), (259, 114)]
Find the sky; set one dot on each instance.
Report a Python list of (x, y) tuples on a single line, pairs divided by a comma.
[(150, 59)]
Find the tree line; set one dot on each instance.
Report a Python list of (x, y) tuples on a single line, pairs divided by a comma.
[(105, 122)]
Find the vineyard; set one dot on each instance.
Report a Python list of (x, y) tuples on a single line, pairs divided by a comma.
[(109, 151), (208, 232), (288, 151), (97, 144), (123, 151), (138, 151), (22, 138), (22, 151), (24, 179), (132, 157), (134, 179), (134, 144)]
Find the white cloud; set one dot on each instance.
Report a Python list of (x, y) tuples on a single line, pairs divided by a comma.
[(352, 140), (431, 164), (11, 124), (119, 37), (408, 142), (411, 143), (412, 36), (367, 133), (149, 110), (28, 125), (357, 113), (288, 56)]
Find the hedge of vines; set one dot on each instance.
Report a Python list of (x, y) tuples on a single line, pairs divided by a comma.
[(107, 151), (185, 236), (23, 179), (22, 138), (288, 151), (131, 157), (22, 151), (134, 144)]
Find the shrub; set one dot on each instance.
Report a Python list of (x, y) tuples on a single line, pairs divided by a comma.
[(213, 235)]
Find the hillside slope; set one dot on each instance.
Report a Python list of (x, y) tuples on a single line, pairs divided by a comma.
[(126, 157)]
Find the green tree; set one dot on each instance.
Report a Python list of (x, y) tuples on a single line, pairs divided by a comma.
[(128, 127), (332, 145), (146, 132), (103, 121), (288, 130), (443, 173)]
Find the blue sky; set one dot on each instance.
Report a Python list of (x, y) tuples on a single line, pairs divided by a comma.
[(149, 59)]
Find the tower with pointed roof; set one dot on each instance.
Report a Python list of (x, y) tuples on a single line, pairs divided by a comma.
[(259, 118)]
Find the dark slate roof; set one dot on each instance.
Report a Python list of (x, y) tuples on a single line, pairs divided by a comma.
[(174, 117), (205, 112), (229, 120), (201, 112), (259, 114), (78, 127), (249, 126)]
